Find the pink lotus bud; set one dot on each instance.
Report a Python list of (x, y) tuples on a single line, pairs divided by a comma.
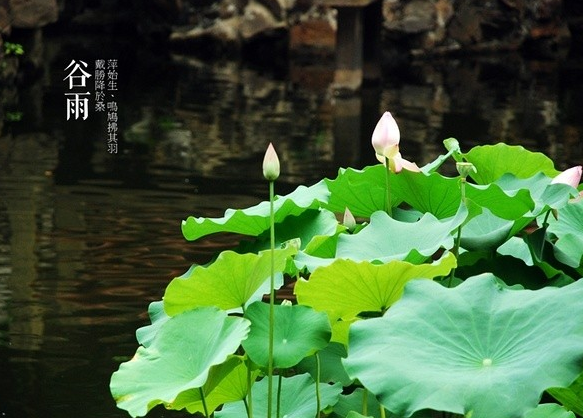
[(571, 176), (348, 221), (270, 164), (386, 136)]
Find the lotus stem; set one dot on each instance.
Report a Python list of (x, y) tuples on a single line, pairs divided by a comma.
[(271, 301), (365, 402), (382, 411), (458, 238), (318, 370), (388, 205), (249, 399), (279, 381), (203, 399)]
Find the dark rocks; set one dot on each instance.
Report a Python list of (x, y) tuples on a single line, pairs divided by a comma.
[(31, 14)]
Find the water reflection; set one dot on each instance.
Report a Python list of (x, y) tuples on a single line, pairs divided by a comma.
[(88, 239)]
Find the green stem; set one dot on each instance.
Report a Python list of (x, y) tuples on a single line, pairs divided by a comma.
[(458, 238), (365, 402), (203, 399), (249, 400), (388, 205), (279, 381), (271, 302), (383, 412), (318, 370)]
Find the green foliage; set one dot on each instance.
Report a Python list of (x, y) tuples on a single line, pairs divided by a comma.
[(297, 399), (479, 347), (299, 332), (158, 373), (422, 310), (11, 48)]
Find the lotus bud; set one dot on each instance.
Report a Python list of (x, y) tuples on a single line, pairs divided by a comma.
[(571, 176), (386, 136), (465, 169), (349, 222), (270, 164), (286, 302)]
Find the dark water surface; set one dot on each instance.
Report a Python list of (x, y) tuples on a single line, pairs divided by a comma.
[(88, 239)]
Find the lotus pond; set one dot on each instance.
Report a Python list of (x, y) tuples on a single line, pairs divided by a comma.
[(416, 294)]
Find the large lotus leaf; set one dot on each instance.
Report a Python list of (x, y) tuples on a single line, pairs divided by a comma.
[(549, 410), (493, 161), (298, 398), (485, 231), (254, 220), (361, 191), (431, 193), (299, 331), (331, 369), (145, 335), (387, 239), (347, 288), (179, 358), (227, 382), (478, 348), (568, 228), (232, 281), (571, 397)]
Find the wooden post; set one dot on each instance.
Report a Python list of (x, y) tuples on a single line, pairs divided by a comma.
[(357, 42)]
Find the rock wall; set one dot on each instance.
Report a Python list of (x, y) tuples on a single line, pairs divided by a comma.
[(418, 27)]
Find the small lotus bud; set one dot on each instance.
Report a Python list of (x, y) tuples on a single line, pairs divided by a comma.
[(349, 222), (465, 169), (286, 302), (270, 164)]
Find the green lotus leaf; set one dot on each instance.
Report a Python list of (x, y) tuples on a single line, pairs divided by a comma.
[(372, 287), (179, 358), (232, 281), (353, 414), (434, 193), (542, 192), (493, 161), (353, 404), (302, 228), (298, 398), (361, 191), (145, 335), (571, 397), (479, 348), (549, 410), (254, 220), (227, 382), (387, 239), (299, 331), (510, 205), (485, 231), (331, 369), (568, 229)]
